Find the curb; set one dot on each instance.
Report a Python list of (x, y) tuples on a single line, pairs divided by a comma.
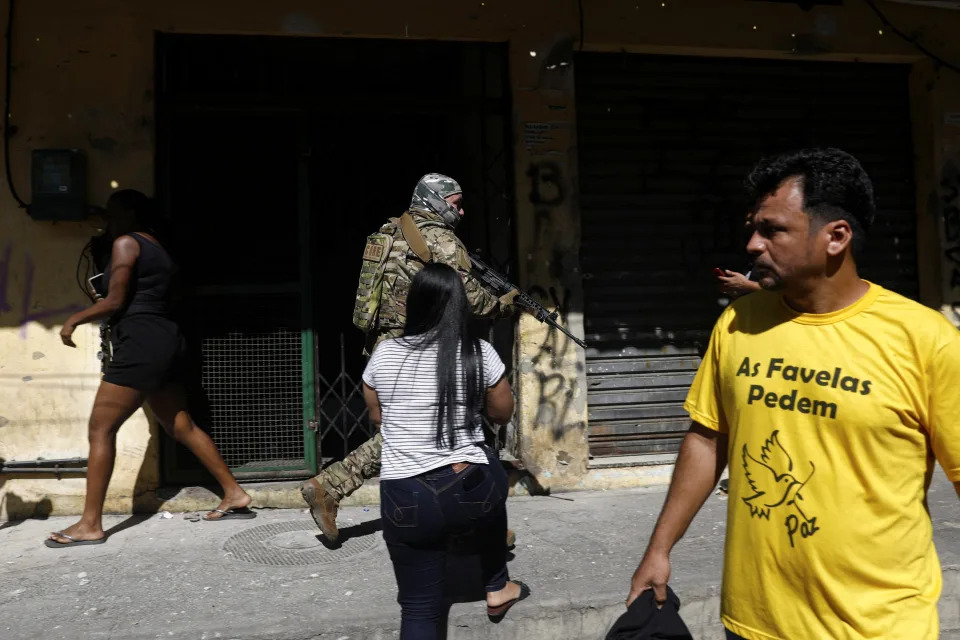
[(565, 620)]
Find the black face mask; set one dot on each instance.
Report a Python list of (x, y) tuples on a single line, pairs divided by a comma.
[(424, 197), (449, 213)]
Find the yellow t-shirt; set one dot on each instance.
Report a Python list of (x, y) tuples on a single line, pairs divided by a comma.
[(833, 422)]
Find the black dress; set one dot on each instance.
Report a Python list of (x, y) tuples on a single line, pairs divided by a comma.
[(148, 349)]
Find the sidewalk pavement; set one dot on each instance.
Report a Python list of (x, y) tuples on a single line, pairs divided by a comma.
[(271, 578)]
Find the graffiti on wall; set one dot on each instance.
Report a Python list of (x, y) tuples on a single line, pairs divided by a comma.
[(556, 383), (555, 398), (546, 184), (556, 344), (26, 313), (548, 192)]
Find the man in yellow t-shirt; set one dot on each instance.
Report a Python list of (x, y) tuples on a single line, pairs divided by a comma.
[(830, 397)]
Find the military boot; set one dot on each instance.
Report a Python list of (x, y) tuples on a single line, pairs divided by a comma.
[(323, 508)]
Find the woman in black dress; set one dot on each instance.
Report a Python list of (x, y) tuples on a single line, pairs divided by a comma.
[(148, 352)]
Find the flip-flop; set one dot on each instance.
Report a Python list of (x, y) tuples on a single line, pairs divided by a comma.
[(496, 614), (53, 544), (231, 514)]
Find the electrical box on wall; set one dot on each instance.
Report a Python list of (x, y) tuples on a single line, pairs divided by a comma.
[(59, 185)]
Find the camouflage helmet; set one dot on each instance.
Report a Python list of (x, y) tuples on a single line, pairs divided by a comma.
[(430, 195)]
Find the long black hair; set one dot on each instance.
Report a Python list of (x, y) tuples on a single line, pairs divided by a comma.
[(438, 314)]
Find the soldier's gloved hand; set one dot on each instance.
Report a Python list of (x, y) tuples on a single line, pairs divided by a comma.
[(507, 299)]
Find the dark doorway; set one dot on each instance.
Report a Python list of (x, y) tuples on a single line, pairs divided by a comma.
[(276, 158)]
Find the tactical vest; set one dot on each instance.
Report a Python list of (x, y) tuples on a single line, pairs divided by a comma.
[(391, 258)]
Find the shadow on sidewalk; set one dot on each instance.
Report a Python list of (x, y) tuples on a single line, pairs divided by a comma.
[(518, 475), (370, 527), (19, 510), (132, 521)]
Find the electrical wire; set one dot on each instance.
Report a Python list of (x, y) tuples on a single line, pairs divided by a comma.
[(83, 269), (911, 39), (87, 266), (6, 109)]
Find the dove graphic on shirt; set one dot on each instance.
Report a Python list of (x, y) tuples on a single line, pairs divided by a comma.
[(774, 484)]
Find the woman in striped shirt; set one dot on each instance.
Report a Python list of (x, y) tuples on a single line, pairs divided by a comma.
[(426, 391)]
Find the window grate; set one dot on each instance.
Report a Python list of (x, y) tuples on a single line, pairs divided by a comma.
[(341, 410), (252, 380)]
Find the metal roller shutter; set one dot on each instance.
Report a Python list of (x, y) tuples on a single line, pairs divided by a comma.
[(664, 144)]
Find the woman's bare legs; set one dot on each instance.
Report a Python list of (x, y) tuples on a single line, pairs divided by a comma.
[(170, 407), (111, 408)]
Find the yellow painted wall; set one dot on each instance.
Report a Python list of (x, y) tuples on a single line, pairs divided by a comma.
[(83, 77)]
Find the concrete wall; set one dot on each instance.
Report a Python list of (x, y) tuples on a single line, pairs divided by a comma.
[(83, 77)]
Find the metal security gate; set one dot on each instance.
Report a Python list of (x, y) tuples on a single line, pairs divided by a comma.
[(277, 156), (231, 172), (369, 148), (252, 377), (234, 189), (664, 144)]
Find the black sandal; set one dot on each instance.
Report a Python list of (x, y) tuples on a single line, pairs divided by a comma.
[(496, 614), (71, 541)]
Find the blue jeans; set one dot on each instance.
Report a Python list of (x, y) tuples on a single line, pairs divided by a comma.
[(420, 514), (732, 636)]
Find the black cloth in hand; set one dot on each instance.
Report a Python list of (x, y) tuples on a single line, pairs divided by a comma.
[(644, 621)]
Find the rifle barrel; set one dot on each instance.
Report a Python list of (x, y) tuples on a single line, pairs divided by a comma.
[(502, 286)]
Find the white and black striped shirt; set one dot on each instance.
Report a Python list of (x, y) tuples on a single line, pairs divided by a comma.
[(405, 378)]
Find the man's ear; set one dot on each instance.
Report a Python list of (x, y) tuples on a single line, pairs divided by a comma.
[(839, 237)]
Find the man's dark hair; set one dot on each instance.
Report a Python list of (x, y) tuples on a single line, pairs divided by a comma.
[(835, 187)]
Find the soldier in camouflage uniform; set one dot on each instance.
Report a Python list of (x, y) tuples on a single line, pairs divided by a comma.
[(435, 219)]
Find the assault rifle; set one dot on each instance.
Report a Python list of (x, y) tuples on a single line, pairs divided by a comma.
[(500, 287)]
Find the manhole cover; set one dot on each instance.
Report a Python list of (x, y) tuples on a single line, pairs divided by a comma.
[(292, 544)]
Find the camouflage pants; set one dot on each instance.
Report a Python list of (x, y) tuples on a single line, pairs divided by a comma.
[(343, 478)]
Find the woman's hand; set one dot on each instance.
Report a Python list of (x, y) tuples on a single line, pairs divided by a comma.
[(93, 292), (66, 333), (123, 260), (736, 284)]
